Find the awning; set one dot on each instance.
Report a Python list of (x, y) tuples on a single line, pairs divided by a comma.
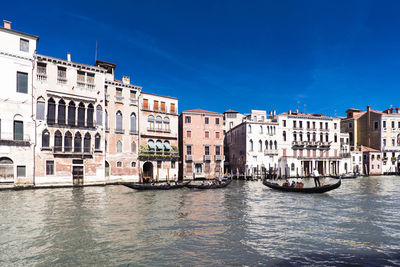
[(159, 145), (151, 145), (167, 146)]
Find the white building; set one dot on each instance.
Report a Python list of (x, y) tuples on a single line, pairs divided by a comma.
[(17, 128)]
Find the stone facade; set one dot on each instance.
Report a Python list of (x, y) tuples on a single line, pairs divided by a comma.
[(201, 142), (17, 126), (158, 129)]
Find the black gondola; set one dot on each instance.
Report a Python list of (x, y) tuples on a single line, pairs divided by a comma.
[(345, 176), (310, 190), (209, 186), (155, 186)]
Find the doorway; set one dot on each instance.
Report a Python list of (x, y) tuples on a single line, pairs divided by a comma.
[(107, 169), (199, 169), (77, 175), (148, 170)]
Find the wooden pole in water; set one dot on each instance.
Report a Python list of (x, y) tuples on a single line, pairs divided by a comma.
[(168, 175), (158, 172)]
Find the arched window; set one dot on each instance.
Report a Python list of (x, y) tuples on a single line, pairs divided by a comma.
[(292, 167), (327, 138), (90, 111), (249, 128), (251, 144), (321, 138), (61, 112), (159, 145), (150, 120), (57, 141), (99, 115), (159, 122), (260, 146), (86, 143), (167, 146), (97, 140), (68, 142), (314, 138), (268, 130), (81, 114), (106, 119), (261, 129), (294, 136), (78, 142), (276, 145), (284, 136), (151, 145), (51, 111), (266, 144), (133, 147), (133, 123), (45, 138), (308, 137), (301, 136), (6, 169), (119, 146), (71, 113), (18, 128), (270, 144), (118, 121), (40, 107), (166, 123)]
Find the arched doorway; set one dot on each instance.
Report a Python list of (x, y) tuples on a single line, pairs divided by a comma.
[(107, 169), (147, 171), (6, 170)]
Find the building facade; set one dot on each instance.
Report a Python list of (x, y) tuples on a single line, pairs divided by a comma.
[(158, 130), (201, 140), (69, 112), (17, 125)]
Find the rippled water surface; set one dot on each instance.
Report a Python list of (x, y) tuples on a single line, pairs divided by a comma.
[(243, 224)]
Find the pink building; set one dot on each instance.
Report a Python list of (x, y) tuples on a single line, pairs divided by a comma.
[(201, 144)]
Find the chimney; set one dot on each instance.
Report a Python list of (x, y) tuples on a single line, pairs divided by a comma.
[(368, 108), (297, 111), (290, 112), (274, 112), (7, 24), (126, 80), (397, 110), (69, 57)]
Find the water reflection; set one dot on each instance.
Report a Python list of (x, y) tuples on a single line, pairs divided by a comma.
[(243, 224)]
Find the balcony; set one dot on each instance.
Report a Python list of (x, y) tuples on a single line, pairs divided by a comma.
[(133, 101), (207, 157), (90, 86), (119, 99), (12, 142), (60, 151), (312, 143), (344, 154), (298, 144), (325, 144), (311, 129), (297, 128), (83, 84), (133, 132), (119, 131), (148, 154), (189, 157), (160, 130), (61, 80), (324, 129), (41, 76), (270, 152), (218, 157)]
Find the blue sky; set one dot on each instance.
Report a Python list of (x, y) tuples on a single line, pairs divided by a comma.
[(318, 56)]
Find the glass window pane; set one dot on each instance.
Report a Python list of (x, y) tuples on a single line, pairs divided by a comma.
[(22, 82), (40, 110), (21, 171), (18, 130)]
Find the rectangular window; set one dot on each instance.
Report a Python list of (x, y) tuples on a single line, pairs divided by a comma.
[(145, 104), (163, 106), (189, 150), (294, 124), (90, 78), (21, 171), (300, 124), (217, 150), (133, 164), (392, 124), (172, 108), (24, 45), (207, 150), (172, 164), (284, 123), (118, 91), (376, 125), (217, 135), (398, 125), (308, 125), (384, 124), (326, 125), (206, 134), (159, 164), (384, 142), (81, 76), (133, 94), (392, 142), (206, 120), (313, 125), (188, 119), (189, 134), (49, 167), (40, 106), (18, 130), (41, 68), (217, 121), (22, 82), (335, 126), (61, 73), (155, 105)]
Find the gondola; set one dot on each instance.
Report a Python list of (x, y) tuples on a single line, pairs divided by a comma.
[(207, 186), (310, 190), (345, 176), (155, 186)]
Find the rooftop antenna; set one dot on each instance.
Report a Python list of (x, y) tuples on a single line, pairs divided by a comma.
[(95, 53)]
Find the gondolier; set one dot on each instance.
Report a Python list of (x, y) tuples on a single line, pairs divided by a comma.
[(316, 177)]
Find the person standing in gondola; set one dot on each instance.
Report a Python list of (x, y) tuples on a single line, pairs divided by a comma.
[(316, 177)]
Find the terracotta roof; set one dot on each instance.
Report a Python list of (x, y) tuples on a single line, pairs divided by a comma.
[(368, 149), (305, 115), (118, 81), (231, 111), (201, 111), (355, 116)]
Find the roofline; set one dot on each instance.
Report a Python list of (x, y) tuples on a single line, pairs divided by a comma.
[(21, 33), (171, 97), (207, 113), (121, 84), (71, 63)]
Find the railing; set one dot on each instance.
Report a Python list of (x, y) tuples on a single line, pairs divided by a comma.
[(61, 80), (218, 157), (41, 76), (189, 157), (80, 84), (207, 157), (297, 143), (119, 99), (270, 152), (119, 131), (344, 154), (70, 151), (133, 132), (158, 130), (158, 154), (88, 85), (324, 129), (133, 101)]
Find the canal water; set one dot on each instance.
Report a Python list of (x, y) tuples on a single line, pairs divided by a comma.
[(243, 224)]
